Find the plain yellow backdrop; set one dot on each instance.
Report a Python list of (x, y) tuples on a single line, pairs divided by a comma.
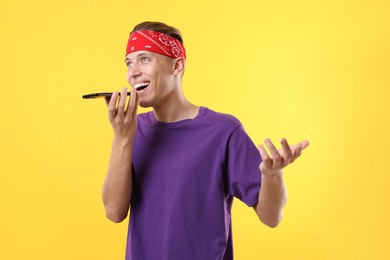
[(316, 70)]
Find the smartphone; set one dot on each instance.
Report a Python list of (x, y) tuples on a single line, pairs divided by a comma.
[(101, 94)]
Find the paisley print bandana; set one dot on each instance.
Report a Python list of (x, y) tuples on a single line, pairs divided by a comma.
[(155, 42)]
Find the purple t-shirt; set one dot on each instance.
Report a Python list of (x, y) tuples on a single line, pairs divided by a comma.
[(185, 175)]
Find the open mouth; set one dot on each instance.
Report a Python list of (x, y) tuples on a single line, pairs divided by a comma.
[(141, 86)]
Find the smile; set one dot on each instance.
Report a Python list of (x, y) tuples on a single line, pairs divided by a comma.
[(141, 86)]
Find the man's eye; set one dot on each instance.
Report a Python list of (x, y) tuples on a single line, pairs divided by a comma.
[(129, 64), (144, 59)]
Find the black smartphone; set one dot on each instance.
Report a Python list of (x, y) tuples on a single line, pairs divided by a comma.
[(101, 94)]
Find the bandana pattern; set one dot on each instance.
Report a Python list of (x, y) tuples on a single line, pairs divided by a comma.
[(155, 42)]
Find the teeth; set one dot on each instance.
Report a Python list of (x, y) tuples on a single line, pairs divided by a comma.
[(143, 84)]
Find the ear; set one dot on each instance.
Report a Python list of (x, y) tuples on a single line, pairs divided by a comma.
[(178, 65)]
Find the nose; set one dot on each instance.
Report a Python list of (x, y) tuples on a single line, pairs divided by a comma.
[(133, 73)]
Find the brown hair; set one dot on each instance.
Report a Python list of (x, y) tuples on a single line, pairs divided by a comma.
[(160, 27)]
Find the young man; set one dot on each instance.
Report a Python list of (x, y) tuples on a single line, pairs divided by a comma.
[(178, 167)]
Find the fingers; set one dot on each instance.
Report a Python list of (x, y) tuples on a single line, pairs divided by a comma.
[(132, 105), (122, 102), (305, 144), (276, 157), (266, 160), (298, 148), (287, 153), (111, 105), (280, 158), (296, 153), (117, 108)]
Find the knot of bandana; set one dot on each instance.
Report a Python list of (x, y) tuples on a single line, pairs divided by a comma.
[(155, 42)]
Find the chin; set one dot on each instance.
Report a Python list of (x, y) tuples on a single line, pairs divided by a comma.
[(145, 104)]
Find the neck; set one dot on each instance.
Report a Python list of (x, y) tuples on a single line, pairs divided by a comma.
[(176, 109)]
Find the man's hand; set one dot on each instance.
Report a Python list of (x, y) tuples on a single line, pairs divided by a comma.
[(118, 185), (273, 165), (272, 195), (123, 119)]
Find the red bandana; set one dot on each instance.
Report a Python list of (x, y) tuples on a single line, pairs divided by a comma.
[(155, 42)]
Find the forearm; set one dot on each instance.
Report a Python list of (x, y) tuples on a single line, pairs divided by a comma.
[(272, 199), (117, 186)]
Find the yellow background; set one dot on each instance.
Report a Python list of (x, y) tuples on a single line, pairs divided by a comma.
[(316, 70)]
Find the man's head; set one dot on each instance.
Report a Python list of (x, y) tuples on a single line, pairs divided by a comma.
[(155, 58)]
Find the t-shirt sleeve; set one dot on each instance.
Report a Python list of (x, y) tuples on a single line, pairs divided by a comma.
[(243, 176)]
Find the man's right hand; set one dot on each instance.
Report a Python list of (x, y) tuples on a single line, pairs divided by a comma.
[(117, 188), (123, 119)]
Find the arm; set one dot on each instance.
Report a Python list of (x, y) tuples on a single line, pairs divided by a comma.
[(117, 187), (272, 195)]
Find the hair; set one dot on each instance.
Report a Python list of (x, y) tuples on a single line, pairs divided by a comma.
[(159, 27)]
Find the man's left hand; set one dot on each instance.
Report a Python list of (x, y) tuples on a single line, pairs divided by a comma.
[(272, 165)]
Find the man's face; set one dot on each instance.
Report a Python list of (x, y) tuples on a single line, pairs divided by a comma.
[(151, 74)]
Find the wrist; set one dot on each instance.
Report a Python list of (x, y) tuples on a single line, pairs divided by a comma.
[(272, 176), (122, 141)]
